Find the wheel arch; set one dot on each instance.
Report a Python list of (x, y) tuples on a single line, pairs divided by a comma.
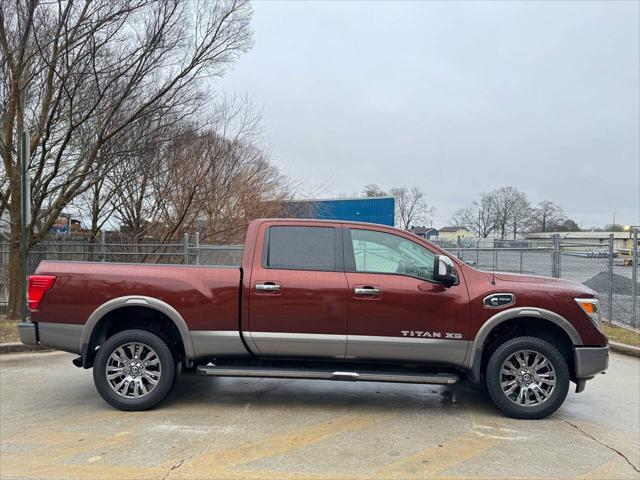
[(99, 314), (473, 360)]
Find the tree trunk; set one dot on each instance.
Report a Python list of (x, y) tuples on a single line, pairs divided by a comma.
[(16, 273), (92, 248), (95, 230)]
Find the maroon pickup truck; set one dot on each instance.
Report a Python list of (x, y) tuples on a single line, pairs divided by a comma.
[(322, 300)]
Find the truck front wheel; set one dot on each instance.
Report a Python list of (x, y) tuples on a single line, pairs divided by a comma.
[(527, 378), (134, 370)]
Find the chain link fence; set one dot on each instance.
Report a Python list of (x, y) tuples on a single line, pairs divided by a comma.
[(610, 272), (120, 250)]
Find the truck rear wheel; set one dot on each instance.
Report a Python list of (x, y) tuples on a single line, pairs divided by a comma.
[(527, 378), (134, 370)]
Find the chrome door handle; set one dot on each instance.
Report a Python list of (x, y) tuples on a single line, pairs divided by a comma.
[(366, 291), (268, 287)]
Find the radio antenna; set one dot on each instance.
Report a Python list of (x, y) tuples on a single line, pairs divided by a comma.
[(493, 264)]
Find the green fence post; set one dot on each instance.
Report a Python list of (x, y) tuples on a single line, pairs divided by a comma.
[(25, 214), (610, 296), (186, 248), (196, 243), (634, 277)]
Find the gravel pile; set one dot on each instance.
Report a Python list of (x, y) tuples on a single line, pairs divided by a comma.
[(621, 285)]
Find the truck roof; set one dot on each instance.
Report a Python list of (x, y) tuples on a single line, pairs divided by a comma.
[(317, 220)]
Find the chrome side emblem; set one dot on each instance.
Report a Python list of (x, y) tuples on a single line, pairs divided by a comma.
[(499, 300)]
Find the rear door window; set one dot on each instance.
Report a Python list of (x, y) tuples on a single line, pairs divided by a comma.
[(302, 248)]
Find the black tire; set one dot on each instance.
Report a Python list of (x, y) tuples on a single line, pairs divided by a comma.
[(167, 367), (508, 406)]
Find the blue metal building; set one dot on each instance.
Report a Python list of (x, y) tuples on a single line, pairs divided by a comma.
[(373, 210)]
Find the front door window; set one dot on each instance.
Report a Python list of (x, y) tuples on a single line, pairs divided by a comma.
[(379, 252)]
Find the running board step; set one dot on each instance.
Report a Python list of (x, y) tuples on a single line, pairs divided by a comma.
[(400, 377)]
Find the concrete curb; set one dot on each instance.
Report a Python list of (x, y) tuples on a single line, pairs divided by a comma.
[(624, 349), (18, 347)]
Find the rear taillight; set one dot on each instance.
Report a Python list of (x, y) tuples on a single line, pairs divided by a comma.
[(38, 285)]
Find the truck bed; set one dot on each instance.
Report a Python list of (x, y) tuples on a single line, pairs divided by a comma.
[(206, 297)]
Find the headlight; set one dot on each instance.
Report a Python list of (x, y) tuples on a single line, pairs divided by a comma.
[(591, 306)]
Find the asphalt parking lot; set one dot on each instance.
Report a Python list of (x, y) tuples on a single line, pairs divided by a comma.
[(54, 426)]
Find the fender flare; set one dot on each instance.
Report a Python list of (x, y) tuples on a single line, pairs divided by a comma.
[(138, 301), (475, 352)]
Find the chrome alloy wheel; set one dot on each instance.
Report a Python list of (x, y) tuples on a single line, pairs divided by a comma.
[(133, 370), (527, 378)]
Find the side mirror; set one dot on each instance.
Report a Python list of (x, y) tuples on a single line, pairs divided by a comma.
[(444, 271)]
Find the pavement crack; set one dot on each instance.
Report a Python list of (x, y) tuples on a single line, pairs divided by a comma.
[(587, 434), (175, 466)]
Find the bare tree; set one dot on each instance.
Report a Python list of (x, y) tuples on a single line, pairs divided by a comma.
[(613, 227), (373, 191), (568, 225), (460, 217), (546, 216), (135, 182), (80, 75), (510, 207), (479, 218), (96, 206), (211, 180), (257, 191), (520, 212), (411, 207)]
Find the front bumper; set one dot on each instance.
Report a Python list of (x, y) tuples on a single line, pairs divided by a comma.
[(28, 333), (590, 361)]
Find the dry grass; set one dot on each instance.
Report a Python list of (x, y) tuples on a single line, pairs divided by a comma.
[(622, 335), (8, 330)]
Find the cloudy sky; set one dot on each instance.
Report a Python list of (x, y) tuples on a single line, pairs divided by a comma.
[(456, 98)]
